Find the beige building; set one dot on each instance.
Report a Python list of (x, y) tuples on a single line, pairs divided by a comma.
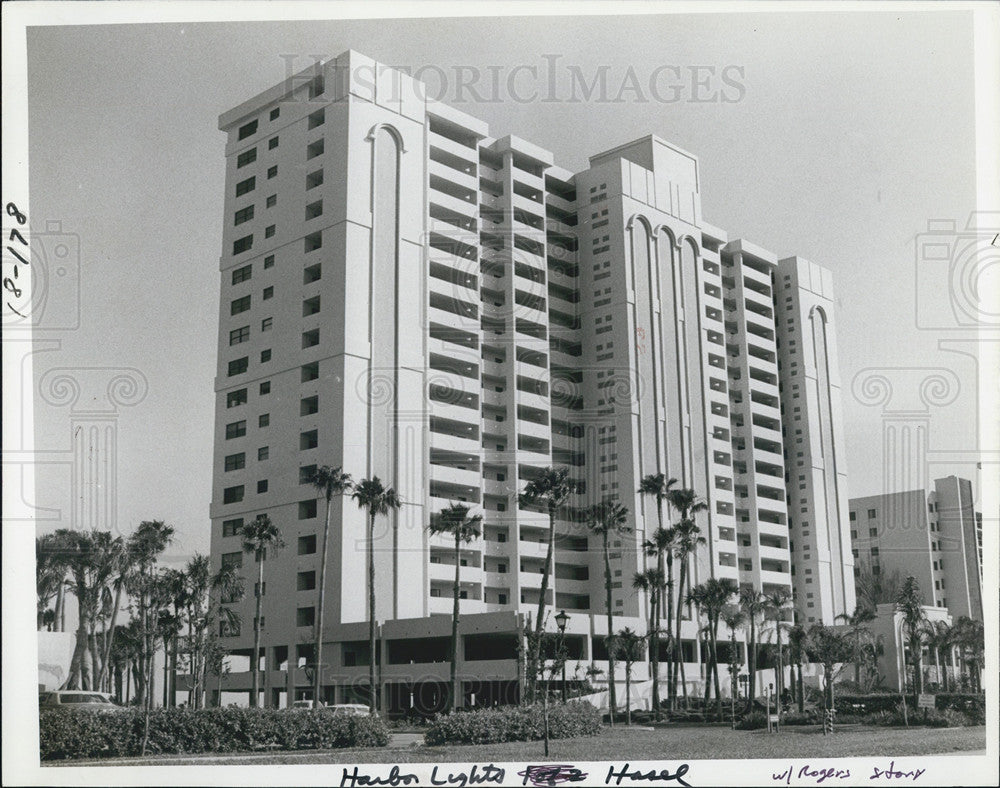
[(936, 537), (406, 296)]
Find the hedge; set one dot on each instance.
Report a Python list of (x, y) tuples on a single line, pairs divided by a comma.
[(64, 734), (967, 702), (514, 723)]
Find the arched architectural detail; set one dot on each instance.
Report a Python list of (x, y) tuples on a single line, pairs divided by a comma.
[(392, 130)]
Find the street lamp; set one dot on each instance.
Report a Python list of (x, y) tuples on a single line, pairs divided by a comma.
[(561, 619)]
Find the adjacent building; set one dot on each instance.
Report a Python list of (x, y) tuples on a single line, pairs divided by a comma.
[(405, 295), (935, 537)]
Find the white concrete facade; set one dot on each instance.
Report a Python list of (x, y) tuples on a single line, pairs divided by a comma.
[(453, 312)]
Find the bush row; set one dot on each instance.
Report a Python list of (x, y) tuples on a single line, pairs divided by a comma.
[(957, 701), (514, 723), (65, 734)]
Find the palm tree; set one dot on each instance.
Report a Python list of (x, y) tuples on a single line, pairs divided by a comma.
[(122, 565), (455, 520), (661, 543), (734, 618), (651, 581), (661, 546), (910, 603), (145, 544), (378, 499), (715, 596), (777, 603), (753, 603), (830, 648), (969, 638), (258, 535), (874, 589), (797, 645), (50, 575), (329, 482), (606, 519), (859, 632), (938, 637), (551, 488), (629, 646), (688, 539)]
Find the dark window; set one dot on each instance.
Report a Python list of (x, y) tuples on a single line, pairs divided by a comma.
[(272, 172), (316, 119), (314, 209), (314, 149), (265, 388), (239, 305), (275, 112), (871, 514), (232, 494), (305, 616), (310, 338), (232, 527), (239, 335), (312, 273), (268, 261), (308, 440), (314, 179), (310, 306), (308, 406), (235, 398), (269, 231), (242, 244), (306, 474), (307, 509), (272, 143), (266, 323), (235, 462), (243, 215), (236, 429), (242, 274), (310, 371), (307, 544), (245, 158), (262, 486), (306, 581), (264, 420), (272, 201), (239, 366), (313, 241), (232, 560), (265, 356), (247, 130), (246, 186), (263, 453), (268, 292)]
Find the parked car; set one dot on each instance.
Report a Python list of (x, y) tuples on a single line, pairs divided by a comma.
[(306, 704), (77, 700), (349, 709)]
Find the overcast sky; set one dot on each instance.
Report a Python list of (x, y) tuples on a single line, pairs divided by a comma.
[(850, 133)]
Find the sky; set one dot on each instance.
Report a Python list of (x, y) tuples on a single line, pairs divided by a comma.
[(843, 136)]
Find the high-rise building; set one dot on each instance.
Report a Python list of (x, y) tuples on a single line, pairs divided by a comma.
[(935, 537), (406, 296)]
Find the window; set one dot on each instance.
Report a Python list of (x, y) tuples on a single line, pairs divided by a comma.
[(236, 429), (266, 323), (871, 514), (265, 388), (232, 527), (262, 453), (269, 262), (272, 201), (275, 112), (854, 516), (502, 599), (307, 509), (314, 209), (873, 531), (314, 179), (246, 186), (264, 420), (268, 293), (232, 560), (235, 462), (308, 440), (308, 406), (238, 366), (306, 474), (305, 581), (307, 544), (310, 306), (232, 494), (239, 305), (314, 149), (313, 241), (310, 338), (316, 119), (272, 143), (272, 172), (243, 215), (265, 356), (247, 130), (305, 616), (262, 486), (312, 273), (245, 158), (242, 274), (310, 371), (235, 398), (242, 244), (239, 335), (269, 231)]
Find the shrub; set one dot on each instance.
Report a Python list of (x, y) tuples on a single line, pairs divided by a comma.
[(104, 735), (806, 718), (752, 721), (514, 723)]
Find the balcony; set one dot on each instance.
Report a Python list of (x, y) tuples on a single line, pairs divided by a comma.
[(439, 141), (465, 207), (532, 400), (558, 202), (454, 476), (464, 179)]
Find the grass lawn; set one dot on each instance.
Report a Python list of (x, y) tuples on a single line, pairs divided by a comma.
[(622, 744)]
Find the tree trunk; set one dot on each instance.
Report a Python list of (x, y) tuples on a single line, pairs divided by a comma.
[(255, 657), (715, 666), (654, 649), (111, 630), (372, 689), (628, 692), (455, 689), (672, 664), (534, 662), (752, 662), (678, 650), (612, 699), (802, 694), (320, 612)]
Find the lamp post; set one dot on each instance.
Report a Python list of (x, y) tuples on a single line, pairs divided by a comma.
[(561, 619)]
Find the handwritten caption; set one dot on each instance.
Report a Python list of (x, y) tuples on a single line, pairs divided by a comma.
[(820, 774), (15, 285), (535, 775)]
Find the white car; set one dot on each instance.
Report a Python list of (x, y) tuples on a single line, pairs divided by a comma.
[(349, 709), (77, 700)]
